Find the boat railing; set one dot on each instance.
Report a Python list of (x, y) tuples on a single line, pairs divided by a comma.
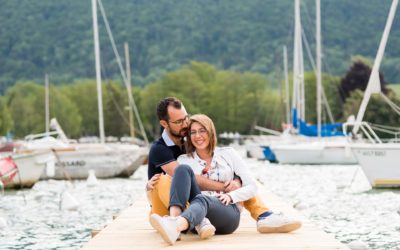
[(365, 128), (41, 135)]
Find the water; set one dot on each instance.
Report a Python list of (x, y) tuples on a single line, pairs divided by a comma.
[(338, 199), (35, 221)]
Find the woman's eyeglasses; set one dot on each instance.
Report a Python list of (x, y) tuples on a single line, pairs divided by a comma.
[(200, 132)]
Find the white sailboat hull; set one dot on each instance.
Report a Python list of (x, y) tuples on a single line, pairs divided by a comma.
[(313, 153), (380, 163), (106, 160), (30, 167)]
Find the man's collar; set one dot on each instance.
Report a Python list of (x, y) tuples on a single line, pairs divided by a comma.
[(168, 141)]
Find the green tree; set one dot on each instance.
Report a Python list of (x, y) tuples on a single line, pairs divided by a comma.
[(116, 117), (83, 94), (330, 84), (25, 100), (6, 122), (357, 77)]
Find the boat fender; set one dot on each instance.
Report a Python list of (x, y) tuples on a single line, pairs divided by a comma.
[(357, 245), (347, 151), (50, 168), (3, 223), (91, 180), (68, 202)]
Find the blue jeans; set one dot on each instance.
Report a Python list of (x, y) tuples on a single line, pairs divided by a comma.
[(184, 188)]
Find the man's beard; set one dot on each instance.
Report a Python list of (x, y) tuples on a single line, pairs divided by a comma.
[(180, 134)]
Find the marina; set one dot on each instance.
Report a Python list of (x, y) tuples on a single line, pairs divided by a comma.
[(336, 198), (320, 136)]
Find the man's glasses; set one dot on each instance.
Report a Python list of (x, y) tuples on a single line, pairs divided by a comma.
[(181, 121), (200, 132)]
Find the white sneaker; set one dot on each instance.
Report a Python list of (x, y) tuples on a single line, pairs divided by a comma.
[(277, 223), (205, 229), (167, 226)]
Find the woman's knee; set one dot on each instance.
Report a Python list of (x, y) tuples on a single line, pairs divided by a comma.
[(183, 169)]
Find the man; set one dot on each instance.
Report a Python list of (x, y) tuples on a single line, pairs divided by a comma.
[(162, 164)]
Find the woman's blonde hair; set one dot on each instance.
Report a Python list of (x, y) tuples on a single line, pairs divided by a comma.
[(208, 124)]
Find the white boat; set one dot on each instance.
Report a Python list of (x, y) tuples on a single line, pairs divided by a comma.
[(107, 161), (29, 167), (311, 149), (74, 160), (379, 162), (317, 152)]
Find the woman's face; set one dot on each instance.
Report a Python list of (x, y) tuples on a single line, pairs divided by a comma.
[(199, 136)]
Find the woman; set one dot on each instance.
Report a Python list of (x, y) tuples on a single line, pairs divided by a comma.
[(216, 163)]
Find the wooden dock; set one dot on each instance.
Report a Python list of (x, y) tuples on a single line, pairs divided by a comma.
[(131, 230)]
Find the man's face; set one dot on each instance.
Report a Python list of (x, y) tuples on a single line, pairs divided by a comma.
[(178, 121)]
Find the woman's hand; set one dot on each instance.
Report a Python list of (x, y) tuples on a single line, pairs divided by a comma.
[(152, 182), (224, 198)]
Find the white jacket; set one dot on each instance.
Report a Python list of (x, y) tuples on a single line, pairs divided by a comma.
[(225, 164)]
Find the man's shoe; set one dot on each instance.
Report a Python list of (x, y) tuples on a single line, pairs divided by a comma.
[(277, 223), (205, 229), (167, 226)]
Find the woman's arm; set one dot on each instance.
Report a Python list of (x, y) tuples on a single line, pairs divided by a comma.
[(249, 186)]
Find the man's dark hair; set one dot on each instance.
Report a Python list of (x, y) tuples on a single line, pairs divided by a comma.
[(162, 107)]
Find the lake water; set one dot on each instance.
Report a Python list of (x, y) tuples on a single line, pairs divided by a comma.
[(35, 221), (338, 199)]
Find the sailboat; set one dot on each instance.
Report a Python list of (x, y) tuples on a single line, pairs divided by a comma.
[(23, 169), (325, 144), (379, 161), (75, 160)]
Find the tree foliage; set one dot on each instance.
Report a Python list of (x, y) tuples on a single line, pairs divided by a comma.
[(56, 36), (330, 85), (26, 103), (235, 101), (6, 122), (357, 78)]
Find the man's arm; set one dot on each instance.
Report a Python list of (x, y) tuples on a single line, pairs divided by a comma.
[(170, 167), (206, 184)]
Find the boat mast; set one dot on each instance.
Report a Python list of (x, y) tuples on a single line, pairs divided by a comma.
[(129, 89), (374, 84), (46, 103), (318, 53), (98, 74), (298, 66), (130, 96), (285, 66)]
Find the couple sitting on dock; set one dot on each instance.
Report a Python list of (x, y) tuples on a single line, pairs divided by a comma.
[(194, 185)]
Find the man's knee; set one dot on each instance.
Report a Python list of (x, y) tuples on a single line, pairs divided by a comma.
[(165, 180)]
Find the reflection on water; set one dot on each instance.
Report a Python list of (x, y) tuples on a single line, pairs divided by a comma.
[(339, 200), (336, 198), (35, 221)]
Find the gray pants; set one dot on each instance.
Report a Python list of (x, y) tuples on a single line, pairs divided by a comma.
[(184, 188)]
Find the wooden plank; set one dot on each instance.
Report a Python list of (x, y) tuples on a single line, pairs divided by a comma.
[(131, 230)]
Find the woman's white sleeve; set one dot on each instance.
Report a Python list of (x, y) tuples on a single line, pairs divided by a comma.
[(249, 186)]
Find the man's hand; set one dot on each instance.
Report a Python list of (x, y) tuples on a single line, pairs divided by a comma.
[(232, 185), (152, 182)]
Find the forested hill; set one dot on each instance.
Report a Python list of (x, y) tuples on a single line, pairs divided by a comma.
[(56, 36)]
